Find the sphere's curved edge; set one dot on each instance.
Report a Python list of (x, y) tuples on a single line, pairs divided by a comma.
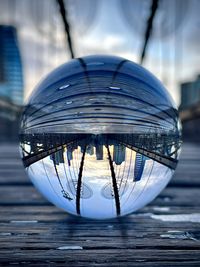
[(100, 137)]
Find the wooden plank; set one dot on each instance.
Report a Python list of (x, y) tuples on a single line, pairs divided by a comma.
[(106, 255)]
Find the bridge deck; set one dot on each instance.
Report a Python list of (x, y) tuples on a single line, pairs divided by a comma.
[(165, 233)]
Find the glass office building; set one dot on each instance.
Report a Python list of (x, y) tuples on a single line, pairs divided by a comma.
[(11, 80)]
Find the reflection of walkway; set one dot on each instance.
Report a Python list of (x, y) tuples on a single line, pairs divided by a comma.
[(165, 156), (167, 161)]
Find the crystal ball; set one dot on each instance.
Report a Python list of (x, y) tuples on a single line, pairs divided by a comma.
[(100, 137)]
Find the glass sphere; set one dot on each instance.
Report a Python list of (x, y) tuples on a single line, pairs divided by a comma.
[(100, 137)]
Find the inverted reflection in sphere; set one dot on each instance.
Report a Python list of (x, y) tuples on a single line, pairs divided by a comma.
[(100, 137)]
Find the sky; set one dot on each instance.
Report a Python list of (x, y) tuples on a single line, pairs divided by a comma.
[(107, 27)]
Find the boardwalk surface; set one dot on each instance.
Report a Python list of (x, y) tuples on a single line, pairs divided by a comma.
[(35, 233)]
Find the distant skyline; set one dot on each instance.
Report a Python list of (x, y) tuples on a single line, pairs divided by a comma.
[(106, 29)]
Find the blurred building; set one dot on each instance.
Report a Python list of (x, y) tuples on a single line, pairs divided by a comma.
[(11, 83), (190, 109), (190, 93)]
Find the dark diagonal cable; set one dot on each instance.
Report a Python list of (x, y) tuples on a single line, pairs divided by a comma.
[(114, 182), (64, 193), (63, 13), (149, 28), (87, 77), (79, 184), (118, 68)]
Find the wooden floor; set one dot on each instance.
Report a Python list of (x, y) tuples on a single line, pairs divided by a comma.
[(35, 233)]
